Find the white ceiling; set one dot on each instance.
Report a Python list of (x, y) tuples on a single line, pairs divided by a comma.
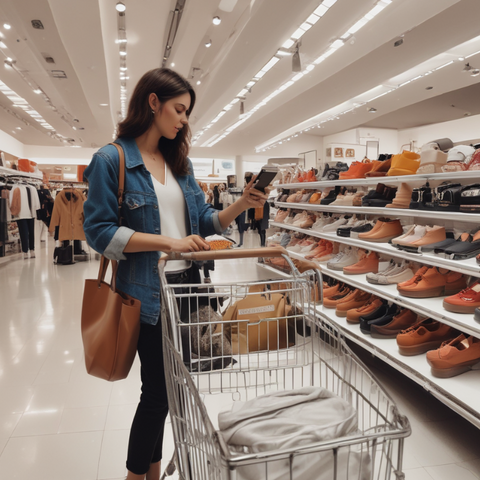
[(80, 37)]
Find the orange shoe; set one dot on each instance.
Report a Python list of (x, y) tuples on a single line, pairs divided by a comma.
[(333, 290), (380, 168), (357, 169), (321, 246), (359, 299), (435, 282), (346, 294), (454, 357), (353, 315), (386, 231), (369, 263), (329, 250), (465, 301), (424, 336), (376, 227)]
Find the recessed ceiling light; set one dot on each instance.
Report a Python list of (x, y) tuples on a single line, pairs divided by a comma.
[(216, 20), (123, 69), (7, 26), (19, 128), (120, 7), (104, 104), (198, 82), (172, 64), (208, 44), (37, 91), (123, 54)]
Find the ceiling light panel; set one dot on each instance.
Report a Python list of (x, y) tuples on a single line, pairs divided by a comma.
[(122, 50), (429, 67), (319, 12)]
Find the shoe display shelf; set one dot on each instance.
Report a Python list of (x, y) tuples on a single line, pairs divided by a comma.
[(431, 177), (468, 267), (387, 212), (429, 307), (459, 393)]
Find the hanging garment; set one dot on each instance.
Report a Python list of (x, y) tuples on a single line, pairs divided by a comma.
[(44, 213), (68, 215), (291, 419), (23, 202)]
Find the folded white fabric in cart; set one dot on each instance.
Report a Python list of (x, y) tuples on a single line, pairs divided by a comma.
[(287, 420)]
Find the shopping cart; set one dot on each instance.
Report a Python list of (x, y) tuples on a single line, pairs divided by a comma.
[(301, 350)]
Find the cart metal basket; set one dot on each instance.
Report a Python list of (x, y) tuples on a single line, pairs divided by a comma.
[(301, 350)]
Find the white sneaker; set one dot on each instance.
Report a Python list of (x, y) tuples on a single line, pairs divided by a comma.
[(332, 227), (275, 238), (350, 258), (403, 274), (25, 255), (32, 253)]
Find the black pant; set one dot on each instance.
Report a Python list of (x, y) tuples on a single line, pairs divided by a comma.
[(26, 229), (146, 434)]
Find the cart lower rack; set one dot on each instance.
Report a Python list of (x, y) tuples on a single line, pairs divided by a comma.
[(270, 348)]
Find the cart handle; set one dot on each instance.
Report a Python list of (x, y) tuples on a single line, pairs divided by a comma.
[(230, 253)]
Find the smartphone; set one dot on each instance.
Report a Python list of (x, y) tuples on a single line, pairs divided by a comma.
[(265, 177)]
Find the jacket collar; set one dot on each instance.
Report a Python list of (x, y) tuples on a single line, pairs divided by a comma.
[(133, 158)]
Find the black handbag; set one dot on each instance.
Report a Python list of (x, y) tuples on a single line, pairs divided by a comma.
[(63, 255), (470, 198), (447, 197), (421, 196)]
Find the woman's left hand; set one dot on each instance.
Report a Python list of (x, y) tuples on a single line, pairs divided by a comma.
[(252, 198)]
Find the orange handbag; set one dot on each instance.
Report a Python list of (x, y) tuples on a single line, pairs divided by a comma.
[(110, 318)]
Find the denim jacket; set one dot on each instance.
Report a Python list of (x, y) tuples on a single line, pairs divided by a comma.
[(137, 272)]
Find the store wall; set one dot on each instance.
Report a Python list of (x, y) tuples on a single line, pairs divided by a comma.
[(59, 155), (11, 145), (388, 139), (462, 130)]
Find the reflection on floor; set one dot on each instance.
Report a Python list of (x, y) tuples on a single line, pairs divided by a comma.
[(58, 423)]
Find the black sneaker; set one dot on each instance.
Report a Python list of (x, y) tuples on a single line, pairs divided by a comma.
[(333, 172)]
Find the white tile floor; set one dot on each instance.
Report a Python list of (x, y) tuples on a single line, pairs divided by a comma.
[(58, 423)]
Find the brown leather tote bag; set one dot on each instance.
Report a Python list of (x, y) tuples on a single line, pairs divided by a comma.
[(110, 318)]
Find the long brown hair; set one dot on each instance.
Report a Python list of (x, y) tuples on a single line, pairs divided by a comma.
[(166, 84)]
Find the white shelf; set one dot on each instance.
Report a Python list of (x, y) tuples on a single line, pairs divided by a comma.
[(390, 212), (468, 175), (10, 172), (459, 393), (430, 307), (468, 267)]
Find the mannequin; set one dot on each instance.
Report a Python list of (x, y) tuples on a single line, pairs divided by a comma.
[(24, 204)]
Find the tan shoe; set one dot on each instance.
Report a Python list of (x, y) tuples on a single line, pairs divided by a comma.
[(402, 197)]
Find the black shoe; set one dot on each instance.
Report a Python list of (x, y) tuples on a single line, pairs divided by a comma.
[(376, 314), (366, 227), (439, 245), (392, 310), (332, 195)]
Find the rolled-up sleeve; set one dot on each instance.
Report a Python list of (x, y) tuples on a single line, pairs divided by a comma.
[(101, 223)]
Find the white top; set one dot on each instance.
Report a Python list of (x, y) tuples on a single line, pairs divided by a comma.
[(27, 210), (173, 218)]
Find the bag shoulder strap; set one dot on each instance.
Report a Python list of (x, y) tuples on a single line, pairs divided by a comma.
[(121, 187), (121, 172)]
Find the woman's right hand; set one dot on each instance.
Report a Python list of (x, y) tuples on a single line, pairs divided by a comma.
[(192, 243)]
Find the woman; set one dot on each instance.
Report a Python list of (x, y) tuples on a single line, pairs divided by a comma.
[(163, 210)]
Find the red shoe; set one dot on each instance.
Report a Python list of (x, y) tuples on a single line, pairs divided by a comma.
[(464, 302)]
